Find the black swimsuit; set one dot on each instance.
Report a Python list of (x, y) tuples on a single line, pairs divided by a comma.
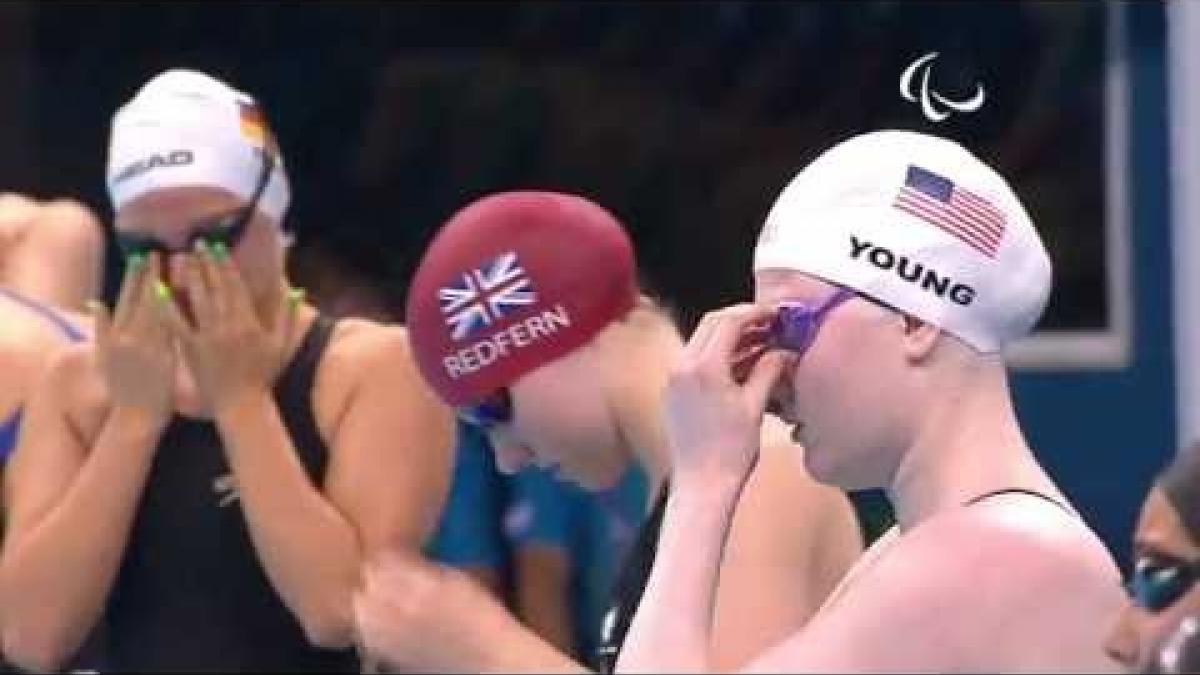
[(630, 585), (1021, 491)]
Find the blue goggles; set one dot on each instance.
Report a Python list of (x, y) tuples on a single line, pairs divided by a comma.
[(494, 410), (1160, 581)]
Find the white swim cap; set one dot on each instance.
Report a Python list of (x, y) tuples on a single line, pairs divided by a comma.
[(919, 223), (184, 128)]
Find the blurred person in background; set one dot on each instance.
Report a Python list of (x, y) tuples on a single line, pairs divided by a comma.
[(1180, 652), (51, 259), (525, 537), (545, 548), (526, 316), (223, 456), (50, 251), (567, 545), (470, 535), (1162, 587)]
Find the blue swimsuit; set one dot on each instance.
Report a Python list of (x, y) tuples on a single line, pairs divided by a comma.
[(10, 426)]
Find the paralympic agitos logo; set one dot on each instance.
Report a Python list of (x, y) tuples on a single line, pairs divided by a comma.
[(934, 106)]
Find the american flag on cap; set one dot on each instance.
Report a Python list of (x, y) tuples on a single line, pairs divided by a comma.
[(961, 213)]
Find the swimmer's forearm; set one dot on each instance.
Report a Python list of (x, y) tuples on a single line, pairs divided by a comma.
[(541, 597), (671, 631), (57, 573), (309, 551), (520, 650)]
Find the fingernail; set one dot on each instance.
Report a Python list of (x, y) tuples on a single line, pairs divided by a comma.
[(135, 260), (94, 306), (219, 250), (295, 296), (162, 290)]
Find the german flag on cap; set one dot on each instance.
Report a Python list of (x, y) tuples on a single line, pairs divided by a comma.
[(253, 126)]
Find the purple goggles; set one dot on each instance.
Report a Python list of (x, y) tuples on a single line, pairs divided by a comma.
[(796, 324)]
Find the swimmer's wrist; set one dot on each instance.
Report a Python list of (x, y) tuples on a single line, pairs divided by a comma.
[(714, 486), (138, 422), (241, 402)]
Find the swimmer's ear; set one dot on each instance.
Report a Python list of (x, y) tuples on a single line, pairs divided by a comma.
[(920, 337)]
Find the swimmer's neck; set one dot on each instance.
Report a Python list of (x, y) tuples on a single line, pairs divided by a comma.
[(964, 446), (641, 351)]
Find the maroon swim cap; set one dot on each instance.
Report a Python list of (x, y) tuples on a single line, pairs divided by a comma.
[(514, 281)]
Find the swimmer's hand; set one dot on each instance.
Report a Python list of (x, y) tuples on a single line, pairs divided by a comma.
[(231, 350), (133, 345), (413, 615), (713, 420)]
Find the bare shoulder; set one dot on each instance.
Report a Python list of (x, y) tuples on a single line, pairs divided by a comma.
[(365, 358), (55, 223), (1016, 588), (69, 210), (356, 343), (1035, 550), (69, 218), (969, 590), (16, 211)]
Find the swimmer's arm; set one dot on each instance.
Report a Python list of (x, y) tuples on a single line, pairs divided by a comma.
[(672, 628), (776, 572), (69, 513), (416, 616), (542, 593), (518, 649), (541, 556), (504, 645), (389, 466)]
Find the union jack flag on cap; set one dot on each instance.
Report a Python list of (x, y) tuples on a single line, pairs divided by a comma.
[(954, 209), (486, 294)]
